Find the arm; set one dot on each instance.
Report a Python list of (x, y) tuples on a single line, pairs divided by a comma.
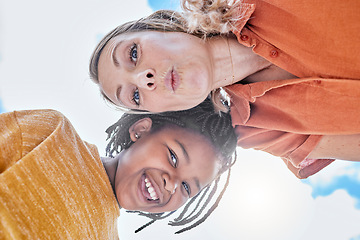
[(22, 131), (311, 106), (344, 147), (10, 141)]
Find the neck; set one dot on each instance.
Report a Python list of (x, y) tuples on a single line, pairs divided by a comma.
[(111, 165), (233, 62)]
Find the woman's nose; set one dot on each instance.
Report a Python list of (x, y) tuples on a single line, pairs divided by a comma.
[(170, 184), (146, 79)]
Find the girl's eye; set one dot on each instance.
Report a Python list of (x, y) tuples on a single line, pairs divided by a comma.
[(133, 53), (187, 188), (173, 158), (136, 97)]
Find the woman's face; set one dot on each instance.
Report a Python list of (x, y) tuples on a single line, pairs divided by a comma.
[(156, 71), (162, 170)]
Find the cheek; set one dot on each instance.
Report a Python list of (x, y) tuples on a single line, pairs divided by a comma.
[(197, 76), (179, 201), (126, 183), (175, 203), (209, 169), (123, 196)]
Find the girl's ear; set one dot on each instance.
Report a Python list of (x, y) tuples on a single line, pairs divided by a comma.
[(139, 128)]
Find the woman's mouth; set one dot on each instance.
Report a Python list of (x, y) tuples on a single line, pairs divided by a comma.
[(172, 80)]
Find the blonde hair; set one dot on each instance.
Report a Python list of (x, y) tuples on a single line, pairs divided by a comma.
[(210, 16), (201, 18)]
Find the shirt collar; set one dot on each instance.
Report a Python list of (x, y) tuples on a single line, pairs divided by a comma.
[(243, 14)]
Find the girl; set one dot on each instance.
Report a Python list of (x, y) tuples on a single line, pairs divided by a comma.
[(54, 185), (290, 70)]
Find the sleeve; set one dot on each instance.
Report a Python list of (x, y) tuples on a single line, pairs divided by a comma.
[(292, 148), (55, 177), (312, 106), (22, 131), (287, 118), (10, 141)]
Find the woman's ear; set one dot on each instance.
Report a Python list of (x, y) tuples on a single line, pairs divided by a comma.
[(139, 128)]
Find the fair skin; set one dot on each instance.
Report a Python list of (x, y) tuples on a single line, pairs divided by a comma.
[(161, 170), (158, 71), (345, 147)]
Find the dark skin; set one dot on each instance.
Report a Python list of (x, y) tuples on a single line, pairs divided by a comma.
[(159, 172)]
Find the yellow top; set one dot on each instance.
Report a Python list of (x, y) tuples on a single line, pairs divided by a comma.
[(52, 184)]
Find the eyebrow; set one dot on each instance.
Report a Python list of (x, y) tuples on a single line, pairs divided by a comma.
[(117, 98), (196, 180), (115, 61), (197, 183), (118, 91), (184, 151)]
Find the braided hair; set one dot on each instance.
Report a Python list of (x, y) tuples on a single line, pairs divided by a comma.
[(202, 119)]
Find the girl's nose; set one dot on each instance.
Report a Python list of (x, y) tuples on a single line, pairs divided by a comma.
[(146, 79), (170, 184)]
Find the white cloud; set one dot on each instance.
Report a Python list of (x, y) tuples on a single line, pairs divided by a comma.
[(265, 201), (328, 175), (45, 49), (334, 218), (45, 66)]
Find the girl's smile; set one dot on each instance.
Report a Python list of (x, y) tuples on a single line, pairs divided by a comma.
[(163, 169), (149, 190)]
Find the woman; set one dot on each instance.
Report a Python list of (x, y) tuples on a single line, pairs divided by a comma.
[(296, 65), (54, 185)]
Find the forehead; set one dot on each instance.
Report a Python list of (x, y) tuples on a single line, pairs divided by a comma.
[(130, 36), (106, 64), (200, 149), (145, 36)]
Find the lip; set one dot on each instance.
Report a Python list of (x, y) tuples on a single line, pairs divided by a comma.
[(172, 80), (142, 190)]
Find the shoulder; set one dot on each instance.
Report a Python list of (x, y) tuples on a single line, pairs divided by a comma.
[(42, 118)]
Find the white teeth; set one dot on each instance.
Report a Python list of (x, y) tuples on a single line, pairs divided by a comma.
[(150, 189), (153, 195)]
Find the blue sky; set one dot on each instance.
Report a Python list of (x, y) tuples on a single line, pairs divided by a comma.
[(346, 178), (158, 4), (349, 183), (261, 188), (1, 107)]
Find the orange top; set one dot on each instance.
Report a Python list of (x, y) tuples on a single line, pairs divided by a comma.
[(314, 40), (52, 184)]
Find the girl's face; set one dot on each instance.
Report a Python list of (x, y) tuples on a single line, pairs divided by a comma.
[(162, 170), (156, 71)]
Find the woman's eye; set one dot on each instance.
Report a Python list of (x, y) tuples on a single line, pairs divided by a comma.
[(173, 158), (136, 97), (133, 53), (187, 188)]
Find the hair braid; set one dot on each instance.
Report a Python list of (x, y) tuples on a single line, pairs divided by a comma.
[(217, 127), (202, 119), (213, 207), (187, 206), (190, 218), (153, 216)]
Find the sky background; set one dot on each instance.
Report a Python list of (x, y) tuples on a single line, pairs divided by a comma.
[(45, 48)]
